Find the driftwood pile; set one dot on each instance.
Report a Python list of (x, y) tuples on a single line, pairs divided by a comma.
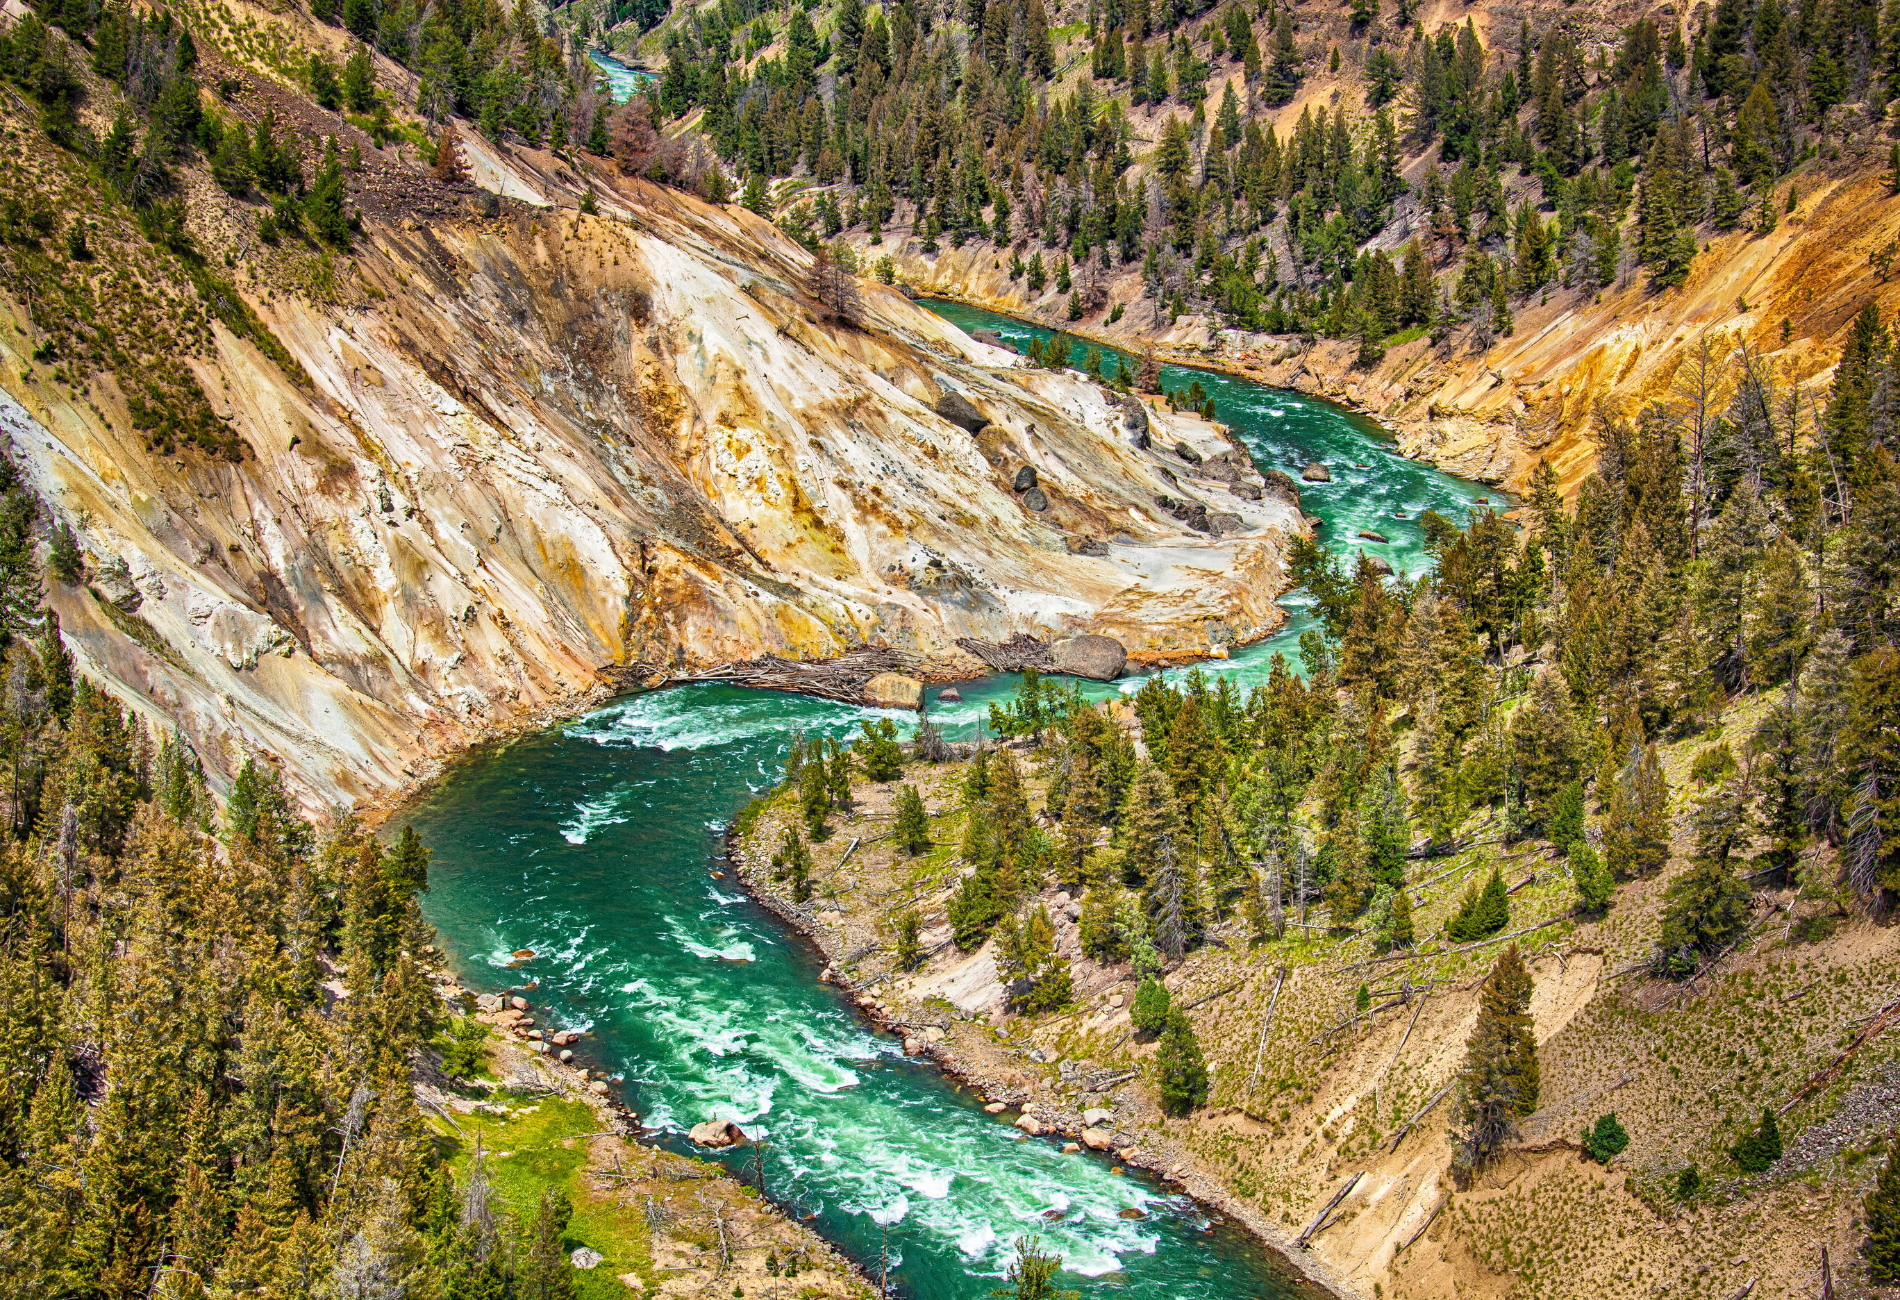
[(1012, 656), (840, 679)]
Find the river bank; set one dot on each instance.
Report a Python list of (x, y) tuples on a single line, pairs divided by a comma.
[(950, 1011), (1486, 449), (542, 1123)]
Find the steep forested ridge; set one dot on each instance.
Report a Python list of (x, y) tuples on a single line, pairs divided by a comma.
[(1561, 150)]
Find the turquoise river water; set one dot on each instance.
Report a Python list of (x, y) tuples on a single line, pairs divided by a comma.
[(595, 844)]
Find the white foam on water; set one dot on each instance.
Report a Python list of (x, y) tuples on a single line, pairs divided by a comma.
[(894, 1212), (726, 945), (977, 1241), (595, 814)]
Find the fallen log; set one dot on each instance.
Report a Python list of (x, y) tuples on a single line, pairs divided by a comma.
[(1320, 1220), (1821, 1078), (1423, 1111), (1424, 1227), (1260, 1048)]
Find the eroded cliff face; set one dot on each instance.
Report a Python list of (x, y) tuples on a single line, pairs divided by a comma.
[(1491, 413), (540, 454)]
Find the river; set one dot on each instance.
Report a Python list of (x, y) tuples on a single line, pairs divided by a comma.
[(595, 844)]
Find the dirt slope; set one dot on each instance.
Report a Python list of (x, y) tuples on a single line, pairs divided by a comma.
[(510, 455)]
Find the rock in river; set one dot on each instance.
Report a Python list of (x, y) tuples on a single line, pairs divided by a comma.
[(1096, 1139), (1379, 566), (1316, 473), (949, 695), (1098, 658), (717, 1133), (894, 691), (955, 407), (1371, 536)]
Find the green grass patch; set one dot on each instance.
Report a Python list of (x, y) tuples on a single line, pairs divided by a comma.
[(541, 1146), (1407, 336)]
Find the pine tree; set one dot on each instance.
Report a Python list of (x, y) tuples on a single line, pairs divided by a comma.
[(1499, 1081), (1036, 974), (1592, 879), (1706, 907), (912, 827), (1483, 911), (1151, 1008), (1636, 827), (792, 862), (1180, 1071), (1544, 743)]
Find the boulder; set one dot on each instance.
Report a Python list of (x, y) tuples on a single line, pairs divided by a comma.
[(1281, 484), (1035, 500), (1135, 419), (913, 1046), (586, 1257), (949, 695), (1073, 911), (934, 1034), (1314, 521), (1088, 546), (1097, 1116), (538, 1047), (1187, 453), (1246, 491), (1068, 1149), (1371, 536), (1316, 473), (1222, 522), (1098, 658), (598, 1087), (894, 691), (1379, 565), (1096, 1139), (1132, 1212), (717, 1133), (488, 1002), (518, 1003), (1025, 478), (1029, 1124), (567, 1055), (955, 407), (995, 1108)]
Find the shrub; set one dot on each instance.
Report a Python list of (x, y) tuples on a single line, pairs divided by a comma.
[(905, 949), (1101, 938), (1149, 1015), (793, 862), (1712, 764), (1707, 907), (1483, 912), (1688, 1183), (1606, 1140), (878, 751), (467, 1050), (1760, 1147), (1882, 1212)]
